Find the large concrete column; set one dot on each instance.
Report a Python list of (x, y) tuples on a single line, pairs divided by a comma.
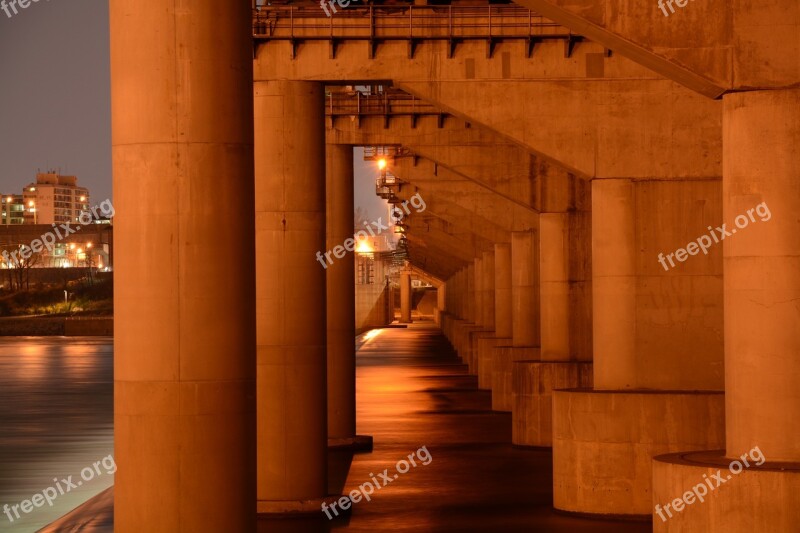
[(487, 285), (290, 296), (469, 303), (502, 290), (405, 297), (184, 343), (341, 298), (463, 294), (555, 303), (525, 289), (441, 297), (762, 273), (477, 273), (613, 284)]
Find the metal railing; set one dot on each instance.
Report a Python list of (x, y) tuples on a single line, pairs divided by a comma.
[(395, 103), (404, 22), (394, 152)]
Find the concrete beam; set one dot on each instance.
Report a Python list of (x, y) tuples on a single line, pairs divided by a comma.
[(645, 129), (710, 47)]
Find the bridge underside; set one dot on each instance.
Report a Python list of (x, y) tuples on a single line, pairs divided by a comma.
[(574, 168)]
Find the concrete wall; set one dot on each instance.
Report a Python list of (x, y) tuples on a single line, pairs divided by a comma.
[(373, 306)]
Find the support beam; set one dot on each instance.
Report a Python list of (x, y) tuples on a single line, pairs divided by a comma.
[(290, 296), (341, 302), (405, 296), (184, 409), (525, 289)]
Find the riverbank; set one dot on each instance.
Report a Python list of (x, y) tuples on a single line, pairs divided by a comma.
[(48, 326)]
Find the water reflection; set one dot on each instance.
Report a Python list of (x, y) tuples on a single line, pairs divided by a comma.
[(56, 418)]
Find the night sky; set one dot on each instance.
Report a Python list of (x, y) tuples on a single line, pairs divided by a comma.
[(54, 94), (55, 99)]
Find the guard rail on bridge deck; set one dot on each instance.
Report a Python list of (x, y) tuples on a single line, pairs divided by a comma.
[(377, 24), (391, 103)]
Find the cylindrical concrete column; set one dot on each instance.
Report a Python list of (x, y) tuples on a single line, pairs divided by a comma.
[(554, 243), (613, 284), (453, 294), (405, 296), (341, 295), (462, 294), (469, 293), (761, 196), (291, 295), (487, 285), (524, 289), (182, 154), (502, 290), (477, 273)]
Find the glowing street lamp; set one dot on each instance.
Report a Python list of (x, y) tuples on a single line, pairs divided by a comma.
[(381, 163)]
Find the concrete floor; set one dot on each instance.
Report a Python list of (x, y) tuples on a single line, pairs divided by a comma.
[(412, 392)]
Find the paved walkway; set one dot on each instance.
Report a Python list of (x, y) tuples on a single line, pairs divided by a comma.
[(412, 392)]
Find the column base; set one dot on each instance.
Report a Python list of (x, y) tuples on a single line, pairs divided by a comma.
[(533, 383), (462, 339), (290, 508), (356, 443), (486, 347), (604, 442), (759, 498), (503, 359), (474, 337)]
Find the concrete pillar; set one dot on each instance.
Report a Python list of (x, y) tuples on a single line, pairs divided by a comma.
[(477, 273), (613, 284), (184, 343), (290, 296), (553, 254), (470, 302), (341, 315), (405, 296), (762, 273), (441, 297), (463, 293), (487, 284), (502, 290), (453, 295), (524, 289)]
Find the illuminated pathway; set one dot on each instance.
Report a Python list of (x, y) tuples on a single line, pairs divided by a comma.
[(413, 392)]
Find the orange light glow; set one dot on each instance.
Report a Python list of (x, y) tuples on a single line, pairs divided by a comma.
[(371, 334), (364, 247)]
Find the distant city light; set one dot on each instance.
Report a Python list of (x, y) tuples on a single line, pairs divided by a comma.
[(364, 247)]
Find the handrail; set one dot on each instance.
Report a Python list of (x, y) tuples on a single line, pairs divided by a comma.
[(386, 103), (403, 22)]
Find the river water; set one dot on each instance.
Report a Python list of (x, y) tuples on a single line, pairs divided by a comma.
[(56, 420)]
